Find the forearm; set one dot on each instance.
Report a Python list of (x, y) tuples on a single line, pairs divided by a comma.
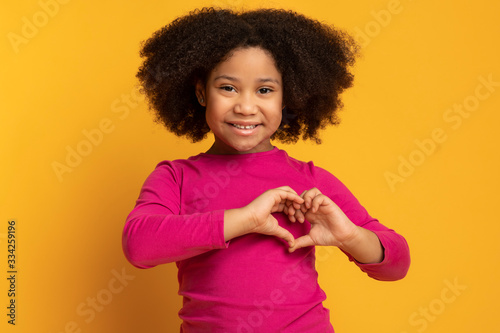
[(153, 239), (364, 246), (236, 223)]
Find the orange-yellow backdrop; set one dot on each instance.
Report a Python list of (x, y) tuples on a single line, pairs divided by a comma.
[(418, 146)]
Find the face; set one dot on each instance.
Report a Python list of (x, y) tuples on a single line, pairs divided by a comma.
[(243, 98)]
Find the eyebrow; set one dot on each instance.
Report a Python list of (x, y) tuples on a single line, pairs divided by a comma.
[(233, 79)]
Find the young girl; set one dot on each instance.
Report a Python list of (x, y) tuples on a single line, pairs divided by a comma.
[(242, 219)]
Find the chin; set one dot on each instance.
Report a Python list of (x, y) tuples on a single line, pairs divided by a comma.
[(243, 149)]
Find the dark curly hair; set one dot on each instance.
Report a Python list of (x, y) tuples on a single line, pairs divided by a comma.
[(313, 59)]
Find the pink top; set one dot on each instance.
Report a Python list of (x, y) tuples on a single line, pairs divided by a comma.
[(251, 283)]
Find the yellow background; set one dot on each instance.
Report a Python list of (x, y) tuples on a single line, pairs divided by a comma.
[(76, 72)]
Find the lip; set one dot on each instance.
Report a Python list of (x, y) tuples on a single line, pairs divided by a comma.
[(244, 123), (244, 132)]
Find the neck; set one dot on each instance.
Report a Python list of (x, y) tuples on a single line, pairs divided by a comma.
[(216, 149)]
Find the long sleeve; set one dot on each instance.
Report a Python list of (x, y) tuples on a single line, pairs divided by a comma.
[(179, 217), (155, 232), (396, 255), (396, 260)]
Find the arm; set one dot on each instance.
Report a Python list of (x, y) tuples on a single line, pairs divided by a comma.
[(377, 250), (155, 232), (331, 227), (257, 217), (153, 239), (341, 221), (364, 246), (396, 260)]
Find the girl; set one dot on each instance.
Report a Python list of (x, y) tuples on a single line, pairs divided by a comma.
[(242, 220)]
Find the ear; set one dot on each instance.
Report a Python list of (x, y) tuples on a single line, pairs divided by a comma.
[(200, 93)]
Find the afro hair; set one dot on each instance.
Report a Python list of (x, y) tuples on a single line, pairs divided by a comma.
[(313, 58)]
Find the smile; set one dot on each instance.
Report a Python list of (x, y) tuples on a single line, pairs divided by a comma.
[(244, 127)]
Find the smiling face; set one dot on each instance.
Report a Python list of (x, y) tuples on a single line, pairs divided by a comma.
[(243, 98)]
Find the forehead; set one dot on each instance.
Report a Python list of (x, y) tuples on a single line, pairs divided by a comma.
[(249, 62)]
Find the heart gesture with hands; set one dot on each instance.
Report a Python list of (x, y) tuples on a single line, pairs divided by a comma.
[(256, 217), (331, 227), (273, 201), (329, 224)]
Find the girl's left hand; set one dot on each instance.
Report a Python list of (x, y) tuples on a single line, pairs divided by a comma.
[(329, 225)]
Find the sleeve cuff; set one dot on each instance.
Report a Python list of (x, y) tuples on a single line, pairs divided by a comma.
[(396, 260), (218, 223)]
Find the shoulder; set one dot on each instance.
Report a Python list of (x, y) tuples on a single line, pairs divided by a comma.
[(319, 174), (193, 166), (299, 165), (336, 190), (171, 169), (322, 179)]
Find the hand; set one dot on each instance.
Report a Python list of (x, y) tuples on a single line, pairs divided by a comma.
[(329, 225), (273, 201)]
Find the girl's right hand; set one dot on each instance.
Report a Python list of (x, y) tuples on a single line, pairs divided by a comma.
[(272, 201)]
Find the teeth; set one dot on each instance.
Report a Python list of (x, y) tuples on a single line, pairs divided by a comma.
[(244, 127)]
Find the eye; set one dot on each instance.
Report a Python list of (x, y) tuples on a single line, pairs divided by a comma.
[(265, 91), (227, 88)]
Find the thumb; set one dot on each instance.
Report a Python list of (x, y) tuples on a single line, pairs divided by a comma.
[(300, 242), (284, 234)]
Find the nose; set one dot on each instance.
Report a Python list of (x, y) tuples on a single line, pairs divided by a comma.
[(246, 105)]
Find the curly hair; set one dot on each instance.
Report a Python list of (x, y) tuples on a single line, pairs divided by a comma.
[(313, 58)]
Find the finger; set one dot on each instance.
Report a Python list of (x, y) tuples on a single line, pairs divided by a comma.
[(294, 214), (296, 205), (286, 188), (300, 242), (309, 195), (290, 207), (316, 202), (285, 235), (282, 201), (304, 208), (290, 212), (282, 196), (299, 216), (281, 208)]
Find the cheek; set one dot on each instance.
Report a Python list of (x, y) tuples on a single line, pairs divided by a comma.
[(212, 123), (278, 117), (277, 113), (279, 108), (214, 114), (210, 117)]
